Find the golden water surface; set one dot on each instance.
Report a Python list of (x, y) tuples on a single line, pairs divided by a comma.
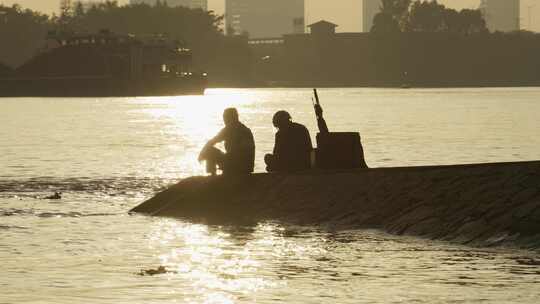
[(108, 155)]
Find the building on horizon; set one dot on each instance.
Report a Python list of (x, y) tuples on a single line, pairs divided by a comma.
[(370, 8), (203, 4), (501, 15), (264, 18)]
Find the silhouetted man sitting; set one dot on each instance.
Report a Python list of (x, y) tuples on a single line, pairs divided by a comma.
[(292, 149), (239, 145)]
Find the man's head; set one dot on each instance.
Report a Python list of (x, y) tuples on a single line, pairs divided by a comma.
[(281, 119), (230, 116)]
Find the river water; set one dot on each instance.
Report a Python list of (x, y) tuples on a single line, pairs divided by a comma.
[(108, 155)]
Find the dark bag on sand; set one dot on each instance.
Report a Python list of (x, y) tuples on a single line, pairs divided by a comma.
[(339, 150)]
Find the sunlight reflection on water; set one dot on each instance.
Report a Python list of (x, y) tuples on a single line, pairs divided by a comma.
[(214, 265), (97, 259), (194, 119), (272, 262)]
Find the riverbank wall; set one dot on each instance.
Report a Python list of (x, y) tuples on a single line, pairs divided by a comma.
[(480, 205)]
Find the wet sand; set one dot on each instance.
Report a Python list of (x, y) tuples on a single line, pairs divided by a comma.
[(479, 204)]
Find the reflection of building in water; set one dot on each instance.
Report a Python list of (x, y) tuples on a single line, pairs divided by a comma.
[(370, 8), (264, 18), (501, 15), (187, 3)]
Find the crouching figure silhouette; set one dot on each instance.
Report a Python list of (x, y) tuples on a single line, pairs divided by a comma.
[(239, 155), (292, 148)]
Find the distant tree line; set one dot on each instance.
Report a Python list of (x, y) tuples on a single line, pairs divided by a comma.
[(419, 42), (426, 16), (23, 31)]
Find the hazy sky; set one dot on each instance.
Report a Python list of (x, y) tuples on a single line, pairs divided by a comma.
[(346, 13)]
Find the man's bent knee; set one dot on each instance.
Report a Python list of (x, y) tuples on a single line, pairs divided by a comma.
[(214, 158)]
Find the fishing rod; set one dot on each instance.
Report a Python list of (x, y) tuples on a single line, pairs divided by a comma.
[(321, 123), (336, 150)]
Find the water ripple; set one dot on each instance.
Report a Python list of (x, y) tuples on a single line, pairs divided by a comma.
[(32, 212)]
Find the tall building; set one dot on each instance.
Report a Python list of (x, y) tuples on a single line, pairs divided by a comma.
[(264, 18), (187, 3), (370, 8), (501, 15)]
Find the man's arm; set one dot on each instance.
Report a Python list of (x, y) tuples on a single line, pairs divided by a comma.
[(216, 139)]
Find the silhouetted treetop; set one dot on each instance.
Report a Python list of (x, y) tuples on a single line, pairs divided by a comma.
[(426, 16), (191, 25), (21, 33), (198, 29), (24, 37), (391, 17), (25, 30)]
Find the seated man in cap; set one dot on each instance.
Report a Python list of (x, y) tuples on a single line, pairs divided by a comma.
[(292, 148), (239, 146)]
